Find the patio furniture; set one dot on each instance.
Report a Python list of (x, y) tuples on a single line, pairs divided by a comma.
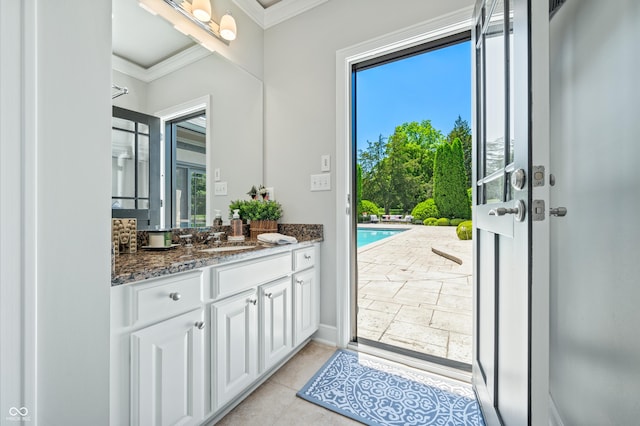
[(374, 218)]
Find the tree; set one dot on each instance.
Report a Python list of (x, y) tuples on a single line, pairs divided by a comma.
[(449, 182), (375, 173), (462, 131), (410, 152)]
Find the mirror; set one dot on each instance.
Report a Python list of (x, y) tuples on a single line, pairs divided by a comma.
[(169, 76)]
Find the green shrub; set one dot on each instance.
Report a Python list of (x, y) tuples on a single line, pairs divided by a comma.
[(443, 221), (425, 209), (465, 230), (456, 222), (430, 221), (450, 181), (368, 207)]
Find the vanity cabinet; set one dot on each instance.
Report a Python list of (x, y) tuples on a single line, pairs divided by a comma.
[(234, 345), (167, 366), (306, 289), (276, 324), (185, 348)]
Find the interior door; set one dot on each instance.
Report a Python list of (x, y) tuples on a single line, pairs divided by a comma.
[(501, 366)]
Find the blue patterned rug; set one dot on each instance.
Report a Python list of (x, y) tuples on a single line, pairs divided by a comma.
[(378, 393)]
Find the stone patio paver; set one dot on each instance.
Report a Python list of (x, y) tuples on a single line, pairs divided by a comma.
[(412, 298)]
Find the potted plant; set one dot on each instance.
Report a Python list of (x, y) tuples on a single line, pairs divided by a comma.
[(253, 192)]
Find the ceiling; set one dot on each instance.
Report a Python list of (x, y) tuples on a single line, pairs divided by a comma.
[(148, 41)]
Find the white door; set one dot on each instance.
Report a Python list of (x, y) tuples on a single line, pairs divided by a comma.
[(277, 324), (167, 366), (235, 345), (503, 90)]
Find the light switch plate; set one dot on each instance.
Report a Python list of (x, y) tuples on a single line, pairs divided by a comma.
[(220, 188), (325, 163), (321, 182)]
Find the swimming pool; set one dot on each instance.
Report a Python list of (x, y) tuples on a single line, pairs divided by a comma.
[(370, 235)]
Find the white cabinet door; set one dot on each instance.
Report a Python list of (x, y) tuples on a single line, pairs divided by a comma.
[(276, 321), (305, 308), (235, 346), (167, 365)]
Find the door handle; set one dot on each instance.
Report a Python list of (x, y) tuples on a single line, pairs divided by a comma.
[(558, 211), (519, 210)]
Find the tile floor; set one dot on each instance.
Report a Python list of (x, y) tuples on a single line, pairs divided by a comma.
[(412, 298), (275, 402)]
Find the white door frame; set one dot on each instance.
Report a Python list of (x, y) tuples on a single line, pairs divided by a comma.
[(433, 29)]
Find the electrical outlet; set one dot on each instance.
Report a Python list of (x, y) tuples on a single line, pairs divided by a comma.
[(220, 188), (321, 182)]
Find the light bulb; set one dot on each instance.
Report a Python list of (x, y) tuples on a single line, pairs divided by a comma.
[(201, 9), (228, 27)]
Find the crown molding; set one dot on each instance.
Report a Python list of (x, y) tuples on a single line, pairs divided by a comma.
[(161, 69), (277, 13)]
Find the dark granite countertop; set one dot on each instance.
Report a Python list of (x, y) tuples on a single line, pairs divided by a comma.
[(146, 264)]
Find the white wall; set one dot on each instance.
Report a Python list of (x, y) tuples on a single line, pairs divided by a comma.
[(136, 99), (300, 102), (73, 215), (594, 346)]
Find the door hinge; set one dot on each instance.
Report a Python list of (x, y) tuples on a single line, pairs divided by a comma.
[(538, 176), (537, 210)]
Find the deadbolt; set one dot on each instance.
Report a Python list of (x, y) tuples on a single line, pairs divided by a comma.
[(518, 179)]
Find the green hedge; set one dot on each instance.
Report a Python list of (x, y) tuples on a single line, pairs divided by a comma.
[(369, 207), (430, 221), (456, 222), (443, 221), (425, 209), (465, 230)]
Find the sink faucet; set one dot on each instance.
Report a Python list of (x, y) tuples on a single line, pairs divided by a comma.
[(215, 236)]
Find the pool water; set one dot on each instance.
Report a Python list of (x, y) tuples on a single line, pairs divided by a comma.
[(368, 236)]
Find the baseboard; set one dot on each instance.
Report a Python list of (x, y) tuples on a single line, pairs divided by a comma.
[(554, 415), (326, 334)]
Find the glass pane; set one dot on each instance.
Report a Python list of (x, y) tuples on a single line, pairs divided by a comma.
[(509, 187), (143, 128), (122, 204), (493, 191), (198, 199), (122, 164), (143, 204), (121, 123), (143, 166), (182, 198), (510, 157), (494, 80)]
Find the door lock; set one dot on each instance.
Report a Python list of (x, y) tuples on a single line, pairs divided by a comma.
[(519, 210), (558, 211)]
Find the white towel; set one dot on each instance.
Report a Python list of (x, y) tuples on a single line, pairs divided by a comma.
[(275, 238)]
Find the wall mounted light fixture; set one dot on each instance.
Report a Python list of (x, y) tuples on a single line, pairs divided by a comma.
[(193, 18)]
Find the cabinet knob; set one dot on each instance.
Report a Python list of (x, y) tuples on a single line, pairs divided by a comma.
[(252, 301), (268, 295), (175, 296), (307, 256), (300, 281), (199, 325)]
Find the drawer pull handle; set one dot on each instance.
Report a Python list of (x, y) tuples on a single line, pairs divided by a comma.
[(199, 325), (268, 295), (300, 281), (252, 301), (307, 256), (175, 296)]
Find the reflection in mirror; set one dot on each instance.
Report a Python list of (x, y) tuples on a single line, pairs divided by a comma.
[(187, 137), (166, 74)]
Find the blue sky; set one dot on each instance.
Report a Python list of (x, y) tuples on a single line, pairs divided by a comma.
[(432, 86)]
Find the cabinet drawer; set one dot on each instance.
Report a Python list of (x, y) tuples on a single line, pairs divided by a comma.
[(304, 258), (165, 298), (231, 279)]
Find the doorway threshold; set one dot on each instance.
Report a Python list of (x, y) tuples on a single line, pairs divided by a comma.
[(440, 366)]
